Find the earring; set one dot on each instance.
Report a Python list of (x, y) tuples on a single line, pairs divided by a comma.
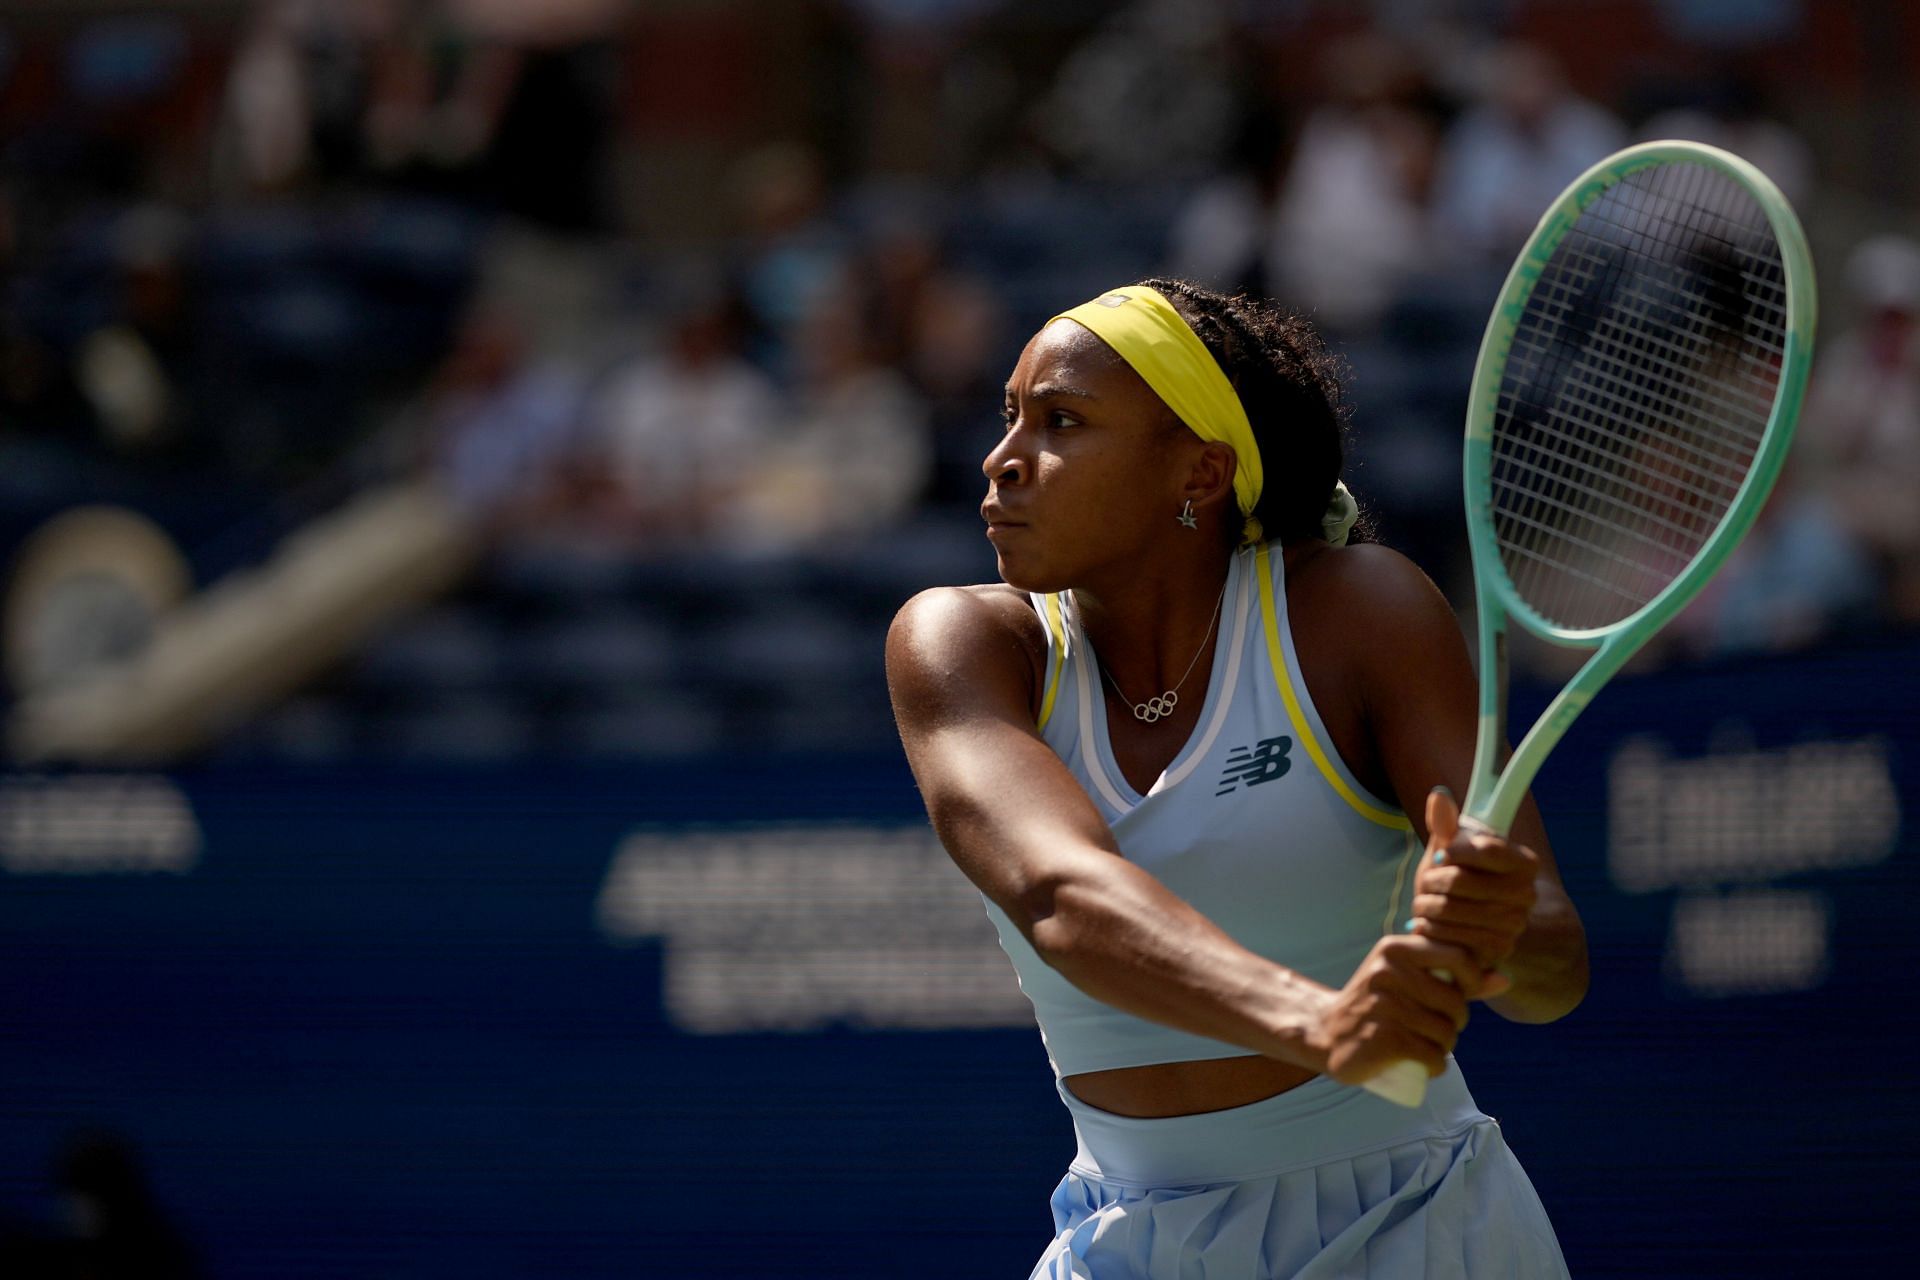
[(1186, 516)]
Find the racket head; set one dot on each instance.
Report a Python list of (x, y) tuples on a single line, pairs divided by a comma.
[(1670, 284)]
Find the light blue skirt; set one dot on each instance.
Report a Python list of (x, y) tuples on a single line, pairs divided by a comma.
[(1321, 1181)]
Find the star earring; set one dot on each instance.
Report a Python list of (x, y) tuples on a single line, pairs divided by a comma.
[(1186, 516)]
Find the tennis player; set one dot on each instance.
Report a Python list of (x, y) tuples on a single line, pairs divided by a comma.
[(1192, 752)]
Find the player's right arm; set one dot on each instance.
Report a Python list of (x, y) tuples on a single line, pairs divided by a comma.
[(963, 667)]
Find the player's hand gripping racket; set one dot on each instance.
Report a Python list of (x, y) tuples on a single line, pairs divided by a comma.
[(1633, 400)]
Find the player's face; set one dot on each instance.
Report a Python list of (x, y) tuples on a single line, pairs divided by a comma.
[(1089, 472)]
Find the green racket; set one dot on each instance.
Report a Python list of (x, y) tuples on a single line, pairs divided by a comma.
[(1633, 400)]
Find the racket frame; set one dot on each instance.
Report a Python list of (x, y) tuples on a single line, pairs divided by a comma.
[(1499, 782)]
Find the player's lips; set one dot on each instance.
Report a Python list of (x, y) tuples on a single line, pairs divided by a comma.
[(998, 521)]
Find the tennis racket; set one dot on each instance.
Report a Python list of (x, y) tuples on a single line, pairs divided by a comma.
[(1632, 403)]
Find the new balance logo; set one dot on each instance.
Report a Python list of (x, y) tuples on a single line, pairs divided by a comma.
[(1262, 762)]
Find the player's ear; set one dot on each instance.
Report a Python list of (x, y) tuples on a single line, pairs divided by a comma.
[(1210, 475)]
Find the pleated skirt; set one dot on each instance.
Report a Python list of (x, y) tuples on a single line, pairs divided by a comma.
[(1322, 1181)]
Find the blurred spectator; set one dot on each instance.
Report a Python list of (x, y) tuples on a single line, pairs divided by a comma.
[(1337, 222), (435, 98), (1798, 577), (1729, 111), (1860, 434), (268, 117), (855, 452), (942, 327), (790, 250), (674, 437), (1222, 234), (133, 369), (1351, 223), (899, 263), (508, 105), (1148, 94), (295, 94), (958, 365), (502, 424), (1508, 156)]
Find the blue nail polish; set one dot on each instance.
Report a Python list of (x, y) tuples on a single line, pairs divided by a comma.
[(1408, 926), (1439, 856)]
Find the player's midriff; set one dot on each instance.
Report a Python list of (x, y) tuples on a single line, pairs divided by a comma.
[(1186, 1088)]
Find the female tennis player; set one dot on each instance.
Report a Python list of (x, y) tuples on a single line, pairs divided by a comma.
[(1191, 752)]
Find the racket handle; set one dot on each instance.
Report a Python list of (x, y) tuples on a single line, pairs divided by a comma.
[(1404, 1082)]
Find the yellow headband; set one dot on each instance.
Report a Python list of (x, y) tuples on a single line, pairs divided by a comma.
[(1151, 336)]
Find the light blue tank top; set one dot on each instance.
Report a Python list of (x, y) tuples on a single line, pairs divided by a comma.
[(1256, 822)]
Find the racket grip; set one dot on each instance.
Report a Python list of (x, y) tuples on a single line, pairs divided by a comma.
[(1404, 1082)]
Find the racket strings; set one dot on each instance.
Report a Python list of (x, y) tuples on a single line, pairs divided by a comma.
[(1623, 331), (1637, 392), (1605, 450), (1600, 407)]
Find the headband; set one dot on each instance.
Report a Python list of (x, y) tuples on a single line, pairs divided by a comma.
[(1151, 336), (1142, 326)]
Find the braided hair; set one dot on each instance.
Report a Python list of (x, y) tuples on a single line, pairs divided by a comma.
[(1290, 385)]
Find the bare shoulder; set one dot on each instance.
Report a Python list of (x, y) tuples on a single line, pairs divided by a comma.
[(1370, 593), (955, 646), (1387, 663), (952, 621)]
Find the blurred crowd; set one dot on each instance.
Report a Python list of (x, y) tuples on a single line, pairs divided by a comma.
[(739, 281)]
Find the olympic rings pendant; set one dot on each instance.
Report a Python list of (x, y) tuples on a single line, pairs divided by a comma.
[(1154, 708)]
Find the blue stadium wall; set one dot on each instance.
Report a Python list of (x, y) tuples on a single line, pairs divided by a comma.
[(379, 1022)]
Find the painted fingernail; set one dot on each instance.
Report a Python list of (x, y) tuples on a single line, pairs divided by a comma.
[(1439, 856), (1408, 926), (1443, 790)]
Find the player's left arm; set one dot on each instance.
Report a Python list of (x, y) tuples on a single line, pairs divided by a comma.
[(1502, 899)]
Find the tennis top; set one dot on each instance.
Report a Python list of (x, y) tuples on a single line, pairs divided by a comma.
[(1257, 823)]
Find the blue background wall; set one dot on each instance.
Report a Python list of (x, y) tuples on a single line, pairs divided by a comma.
[(375, 1031)]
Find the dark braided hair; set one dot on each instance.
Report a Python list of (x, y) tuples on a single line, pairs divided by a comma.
[(1290, 384)]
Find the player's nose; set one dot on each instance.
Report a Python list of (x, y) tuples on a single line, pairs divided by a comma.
[(1004, 463)]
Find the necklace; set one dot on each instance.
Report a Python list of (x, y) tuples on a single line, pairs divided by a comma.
[(1157, 708)]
